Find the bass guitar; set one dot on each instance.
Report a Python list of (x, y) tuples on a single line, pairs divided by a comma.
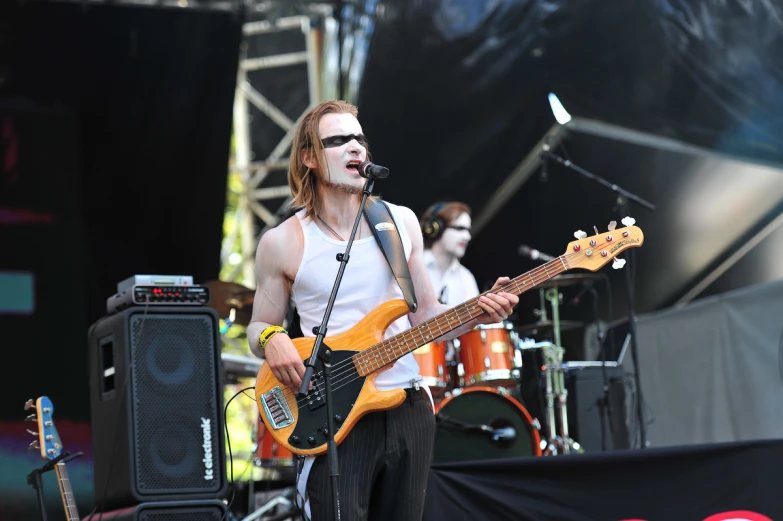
[(51, 448), (299, 422)]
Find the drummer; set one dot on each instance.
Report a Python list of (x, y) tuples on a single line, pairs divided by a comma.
[(446, 230)]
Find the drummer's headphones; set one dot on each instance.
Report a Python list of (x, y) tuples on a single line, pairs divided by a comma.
[(433, 226)]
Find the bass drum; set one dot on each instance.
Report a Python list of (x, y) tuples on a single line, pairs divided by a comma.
[(459, 437)]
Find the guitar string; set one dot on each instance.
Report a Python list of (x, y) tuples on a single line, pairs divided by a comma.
[(462, 311), (340, 383), (340, 368)]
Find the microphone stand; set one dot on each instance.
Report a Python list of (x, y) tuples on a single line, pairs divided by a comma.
[(323, 353), (603, 402), (623, 198)]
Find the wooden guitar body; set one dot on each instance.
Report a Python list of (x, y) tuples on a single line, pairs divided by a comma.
[(353, 395)]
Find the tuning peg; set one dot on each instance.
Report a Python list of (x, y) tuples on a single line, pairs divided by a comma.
[(34, 446), (579, 234), (628, 221), (618, 263), (29, 404), (31, 418), (596, 229), (34, 433), (612, 226)]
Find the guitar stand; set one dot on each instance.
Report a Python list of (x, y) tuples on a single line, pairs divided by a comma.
[(34, 477)]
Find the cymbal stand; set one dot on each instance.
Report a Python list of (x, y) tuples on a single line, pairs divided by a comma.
[(557, 443)]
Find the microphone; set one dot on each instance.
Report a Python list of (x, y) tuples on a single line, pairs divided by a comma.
[(371, 171), (506, 433), (526, 251)]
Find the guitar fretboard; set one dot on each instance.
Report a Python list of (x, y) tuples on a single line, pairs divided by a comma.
[(390, 350), (69, 503)]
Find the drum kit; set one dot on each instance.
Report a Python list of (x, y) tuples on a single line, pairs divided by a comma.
[(474, 380)]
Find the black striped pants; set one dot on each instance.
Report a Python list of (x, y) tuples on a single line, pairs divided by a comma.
[(384, 463)]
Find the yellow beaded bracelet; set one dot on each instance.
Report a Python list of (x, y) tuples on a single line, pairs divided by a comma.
[(268, 333)]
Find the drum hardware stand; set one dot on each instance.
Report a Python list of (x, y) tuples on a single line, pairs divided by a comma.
[(557, 443), (280, 499)]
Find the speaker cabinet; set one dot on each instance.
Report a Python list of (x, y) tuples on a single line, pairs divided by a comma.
[(588, 419), (157, 406), (165, 511)]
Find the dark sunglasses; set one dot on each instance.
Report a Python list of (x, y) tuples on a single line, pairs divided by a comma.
[(338, 141), (460, 228)]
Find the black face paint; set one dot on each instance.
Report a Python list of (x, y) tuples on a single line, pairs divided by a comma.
[(460, 228), (338, 141)]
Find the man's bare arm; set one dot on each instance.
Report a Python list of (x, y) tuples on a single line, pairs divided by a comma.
[(279, 252)]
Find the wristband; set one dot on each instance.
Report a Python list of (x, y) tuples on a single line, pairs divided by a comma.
[(268, 333)]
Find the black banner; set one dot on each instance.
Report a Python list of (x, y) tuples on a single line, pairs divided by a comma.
[(719, 482)]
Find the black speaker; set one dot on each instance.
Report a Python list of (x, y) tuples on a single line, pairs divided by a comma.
[(157, 406), (588, 423), (165, 511)]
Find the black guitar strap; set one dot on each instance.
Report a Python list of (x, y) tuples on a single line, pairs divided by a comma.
[(388, 237)]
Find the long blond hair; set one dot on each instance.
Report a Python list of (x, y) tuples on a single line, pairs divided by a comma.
[(301, 179)]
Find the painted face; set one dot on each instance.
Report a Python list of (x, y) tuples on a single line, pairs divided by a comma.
[(456, 236), (344, 149)]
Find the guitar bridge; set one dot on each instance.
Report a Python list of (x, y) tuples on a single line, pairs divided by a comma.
[(276, 408)]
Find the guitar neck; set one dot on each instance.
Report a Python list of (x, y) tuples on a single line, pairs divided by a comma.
[(69, 503), (390, 350)]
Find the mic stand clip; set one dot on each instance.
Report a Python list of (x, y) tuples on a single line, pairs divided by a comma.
[(322, 353)]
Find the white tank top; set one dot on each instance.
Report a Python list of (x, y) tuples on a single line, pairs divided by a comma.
[(367, 283)]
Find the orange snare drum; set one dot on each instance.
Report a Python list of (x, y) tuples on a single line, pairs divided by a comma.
[(269, 453), (457, 437), (487, 355), (433, 367)]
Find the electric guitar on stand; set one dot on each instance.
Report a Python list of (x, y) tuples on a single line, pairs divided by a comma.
[(51, 448), (299, 422)]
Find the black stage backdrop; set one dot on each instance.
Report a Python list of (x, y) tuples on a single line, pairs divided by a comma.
[(719, 482)]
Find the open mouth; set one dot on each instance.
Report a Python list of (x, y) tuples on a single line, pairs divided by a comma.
[(353, 166)]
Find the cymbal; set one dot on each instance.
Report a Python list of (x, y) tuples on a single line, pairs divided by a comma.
[(225, 296), (569, 279), (546, 326)]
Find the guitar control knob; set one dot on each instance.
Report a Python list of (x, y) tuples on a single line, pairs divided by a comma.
[(294, 440), (311, 440), (338, 418)]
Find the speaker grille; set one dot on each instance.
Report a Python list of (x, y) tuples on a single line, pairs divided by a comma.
[(174, 405)]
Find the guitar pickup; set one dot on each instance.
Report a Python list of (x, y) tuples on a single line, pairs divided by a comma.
[(276, 408), (315, 399)]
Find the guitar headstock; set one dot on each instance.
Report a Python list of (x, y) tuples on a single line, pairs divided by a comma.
[(592, 253), (48, 441)]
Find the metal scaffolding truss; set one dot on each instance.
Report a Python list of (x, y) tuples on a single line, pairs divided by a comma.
[(254, 166), (334, 55)]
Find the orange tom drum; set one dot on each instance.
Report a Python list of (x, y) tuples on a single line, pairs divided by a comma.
[(269, 453), (487, 355), (433, 367)]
